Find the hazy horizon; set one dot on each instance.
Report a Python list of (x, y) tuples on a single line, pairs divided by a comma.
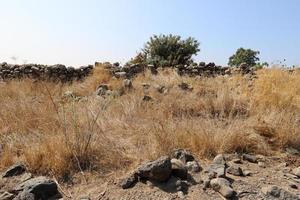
[(77, 32)]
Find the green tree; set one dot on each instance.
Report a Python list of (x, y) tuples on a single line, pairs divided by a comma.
[(242, 55), (170, 50)]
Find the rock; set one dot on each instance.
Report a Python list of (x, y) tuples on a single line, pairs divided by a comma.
[(147, 98), (216, 170), (175, 184), (179, 169), (222, 186), (237, 161), (261, 164), (6, 196), (129, 181), (180, 195), (26, 196), (185, 86), (294, 186), (183, 155), (120, 74), (162, 89), (292, 151), (193, 166), (127, 83), (159, 170), (296, 172), (102, 90), (247, 173), (219, 160), (276, 192), (14, 170), (206, 184), (235, 170), (250, 158), (40, 188)]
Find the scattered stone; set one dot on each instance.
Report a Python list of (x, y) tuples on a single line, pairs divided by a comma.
[(40, 188), (159, 170), (247, 173), (147, 98), (162, 89), (296, 172), (237, 161), (216, 170), (294, 186), (180, 195), (250, 158), (102, 90), (292, 151), (129, 181), (14, 170), (219, 160), (120, 74), (193, 166), (185, 86), (183, 155), (261, 164), (176, 184), (127, 83), (179, 169), (274, 191), (222, 186), (6, 196), (235, 170), (206, 184)]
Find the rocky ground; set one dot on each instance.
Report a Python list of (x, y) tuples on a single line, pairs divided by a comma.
[(176, 176)]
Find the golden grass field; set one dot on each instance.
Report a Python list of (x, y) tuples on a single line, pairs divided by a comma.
[(58, 135)]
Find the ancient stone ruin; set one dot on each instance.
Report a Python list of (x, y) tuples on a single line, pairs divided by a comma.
[(44, 72)]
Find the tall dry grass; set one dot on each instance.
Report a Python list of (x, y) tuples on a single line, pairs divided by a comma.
[(59, 135)]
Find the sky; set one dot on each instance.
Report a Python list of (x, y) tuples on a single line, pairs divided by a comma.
[(80, 32)]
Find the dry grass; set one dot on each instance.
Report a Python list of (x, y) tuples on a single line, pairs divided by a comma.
[(56, 135)]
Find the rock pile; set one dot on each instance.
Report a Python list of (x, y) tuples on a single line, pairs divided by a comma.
[(180, 171), (43, 72)]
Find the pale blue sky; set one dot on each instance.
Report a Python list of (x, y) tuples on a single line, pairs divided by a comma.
[(79, 32)]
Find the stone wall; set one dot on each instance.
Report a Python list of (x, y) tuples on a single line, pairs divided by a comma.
[(194, 69), (43, 72)]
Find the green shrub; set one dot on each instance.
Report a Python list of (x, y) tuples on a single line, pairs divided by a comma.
[(242, 55), (170, 50)]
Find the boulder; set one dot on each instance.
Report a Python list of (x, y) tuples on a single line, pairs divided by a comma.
[(158, 170), (14, 170), (40, 188), (275, 192), (222, 186), (179, 169)]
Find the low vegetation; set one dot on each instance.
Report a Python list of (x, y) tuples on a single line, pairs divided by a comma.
[(62, 129)]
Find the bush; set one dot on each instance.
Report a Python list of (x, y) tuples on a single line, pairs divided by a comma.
[(242, 55), (170, 50)]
